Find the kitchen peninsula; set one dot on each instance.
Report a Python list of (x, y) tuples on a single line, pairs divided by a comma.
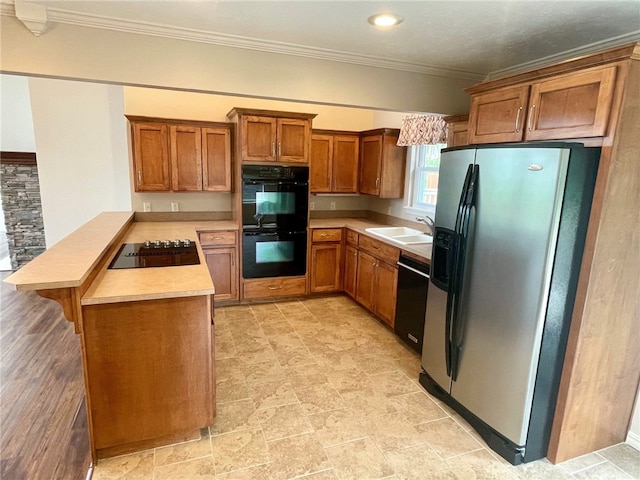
[(146, 333)]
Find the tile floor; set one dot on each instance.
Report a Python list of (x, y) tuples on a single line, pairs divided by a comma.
[(317, 389)]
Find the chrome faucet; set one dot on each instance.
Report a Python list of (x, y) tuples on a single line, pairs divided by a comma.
[(428, 221)]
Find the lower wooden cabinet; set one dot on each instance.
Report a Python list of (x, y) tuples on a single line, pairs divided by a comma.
[(325, 260), (221, 254), (350, 270), (256, 288), (365, 280), (377, 286)]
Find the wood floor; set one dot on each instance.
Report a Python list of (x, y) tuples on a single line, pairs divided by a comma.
[(43, 426)]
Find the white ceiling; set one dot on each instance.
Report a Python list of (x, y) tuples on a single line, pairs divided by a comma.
[(458, 38)]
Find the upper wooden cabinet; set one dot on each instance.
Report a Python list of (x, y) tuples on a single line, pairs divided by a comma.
[(573, 105), (382, 163), (179, 155), (268, 136), (457, 130), (333, 166), (150, 156)]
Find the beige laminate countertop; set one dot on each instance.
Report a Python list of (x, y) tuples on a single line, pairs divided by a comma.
[(360, 225), (126, 285)]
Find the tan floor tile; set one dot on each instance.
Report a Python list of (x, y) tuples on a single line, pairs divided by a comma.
[(582, 462), (331, 360), (392, 432), (260, 472), (261, 355), (181, 452), (625, 457), (417, 407), (410, 365), (225, 347), (292, 308), (324, 475), (540, 470), (393, 383), (275, 327), (447, 438), (304, 376), (367, 402), (233, 451), (198, 469), (263, 372), (338, 426), (603, 471), (136, 465), (416, 463), (227, 368), (260, 309), (285, 341), (295, 356), (297, 456), (359, 460), (319, 398), (457, 417), (373, 364), (478, 465), (272, 394), (349, 380), (234, 416), (231, 390), (283, 421)]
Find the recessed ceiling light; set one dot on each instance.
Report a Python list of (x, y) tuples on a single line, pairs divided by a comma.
[(384, 20)]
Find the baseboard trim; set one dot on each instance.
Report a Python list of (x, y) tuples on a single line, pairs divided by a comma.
[(633, 439)]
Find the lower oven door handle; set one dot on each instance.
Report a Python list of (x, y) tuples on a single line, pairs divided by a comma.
[(272, 234)]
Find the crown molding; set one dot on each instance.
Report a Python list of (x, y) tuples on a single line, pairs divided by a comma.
[(566, 55), (179, 33)]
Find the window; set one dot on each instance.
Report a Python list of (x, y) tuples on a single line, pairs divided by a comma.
[(422, 181)]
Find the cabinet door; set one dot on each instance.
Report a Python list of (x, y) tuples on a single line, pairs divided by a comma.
[(498, 116), (216, 159), (294, 137), (572, 106), (258, 142), (186, 158), (386, 288), (224, 272), (365, 280), (393, 163), (370, 158), (320, 163), (345, 164), (325, 267), (151, 157), (457, 134), (350, 270)]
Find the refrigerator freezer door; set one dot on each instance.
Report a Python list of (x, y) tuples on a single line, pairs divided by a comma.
[(508, 271), (453, 168)]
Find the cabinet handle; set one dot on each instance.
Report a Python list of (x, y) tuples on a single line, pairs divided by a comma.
[(518, 120), (529, 120), (324, 234), (217, 238), (273, 149), (271, 287), (377, 182), (279, 149), (139, 177)]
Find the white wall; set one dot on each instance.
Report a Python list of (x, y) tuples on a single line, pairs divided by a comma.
[(16, 123), (633, 438), (82, 151), (93, 54)]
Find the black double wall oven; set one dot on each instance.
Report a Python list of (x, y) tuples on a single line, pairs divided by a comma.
[(275, 206)]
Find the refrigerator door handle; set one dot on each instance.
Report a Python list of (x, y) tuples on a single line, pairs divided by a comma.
[(457, 322)]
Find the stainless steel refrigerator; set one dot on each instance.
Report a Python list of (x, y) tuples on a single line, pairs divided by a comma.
[(509, 235)]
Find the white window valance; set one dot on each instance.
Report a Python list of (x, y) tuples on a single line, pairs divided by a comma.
[(422, 130)]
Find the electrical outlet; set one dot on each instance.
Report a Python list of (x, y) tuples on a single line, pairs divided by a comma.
[(146, 206), (312, 205), (175, 207), (332, 206)]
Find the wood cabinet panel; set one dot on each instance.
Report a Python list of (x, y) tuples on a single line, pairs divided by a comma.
[(352, 237), (151, 157), (325, 267), (370, 163), (321, 164), (273, 287), (216, 159), (498, 116), (571, 106), (222, 263), (217, 238), (293, 140), (326, 235), (386, 288), (345, 164), (381, 250), (149, 369), (350, 270), (382, 164), (258, 138), (186, 158), (365, 280), (457, 130)]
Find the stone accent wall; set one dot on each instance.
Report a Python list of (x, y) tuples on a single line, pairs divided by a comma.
[(22, 208)]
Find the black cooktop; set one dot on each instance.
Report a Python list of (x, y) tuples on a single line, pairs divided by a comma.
[(156, 254)]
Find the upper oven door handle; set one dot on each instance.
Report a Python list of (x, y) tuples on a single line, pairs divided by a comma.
[(273, 182), (273, 234)]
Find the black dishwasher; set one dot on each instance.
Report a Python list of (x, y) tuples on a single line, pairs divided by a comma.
[(411, 305)]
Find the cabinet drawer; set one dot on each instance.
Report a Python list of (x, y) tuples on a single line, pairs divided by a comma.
[(352, 238), (217, 238), (378, 249), (274, 287), (326, 235)]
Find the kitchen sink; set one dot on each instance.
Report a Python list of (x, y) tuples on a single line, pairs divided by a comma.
[(401, 235)]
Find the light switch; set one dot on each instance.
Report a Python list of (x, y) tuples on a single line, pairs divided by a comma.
[(146, 206)]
